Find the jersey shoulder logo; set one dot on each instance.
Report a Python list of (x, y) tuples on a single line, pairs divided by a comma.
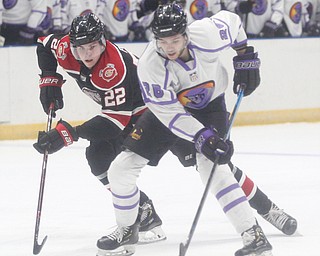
[(296, 12), (121, 9), (61, 54), (108, 73), (64, 56), (199, 9)]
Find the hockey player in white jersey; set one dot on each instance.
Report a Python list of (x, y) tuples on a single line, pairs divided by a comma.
[(183, 84), (199, 9), (72, 8), (118, 17), (261, 18), (21, 20), (312, 27)]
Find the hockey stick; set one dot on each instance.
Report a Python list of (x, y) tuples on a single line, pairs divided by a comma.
[(184, 246), (36, 246)]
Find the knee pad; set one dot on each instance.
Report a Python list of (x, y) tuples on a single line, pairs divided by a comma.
[(221, 176), (99, 159), (125, 169)]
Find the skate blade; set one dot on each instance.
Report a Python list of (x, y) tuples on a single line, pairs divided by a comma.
[(152, 236), (125, 250), (266, 253)]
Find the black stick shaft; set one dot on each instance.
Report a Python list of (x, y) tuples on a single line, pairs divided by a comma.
[(184, 246), (36, 246)]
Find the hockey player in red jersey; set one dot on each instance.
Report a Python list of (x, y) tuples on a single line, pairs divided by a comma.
[(108, 75)]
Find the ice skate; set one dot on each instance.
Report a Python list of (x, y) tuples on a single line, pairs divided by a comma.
[(150, 230), (255, 243), (120, 242), (281, 220)]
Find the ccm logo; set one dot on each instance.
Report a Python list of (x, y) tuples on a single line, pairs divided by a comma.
[(66, 137)]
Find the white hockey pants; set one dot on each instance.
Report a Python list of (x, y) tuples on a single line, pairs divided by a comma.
[(228, 193), (122, 175)]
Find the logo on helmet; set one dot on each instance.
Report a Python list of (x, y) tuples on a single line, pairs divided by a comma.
[(108, 73)]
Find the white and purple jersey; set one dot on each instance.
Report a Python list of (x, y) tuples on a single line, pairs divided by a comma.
[(118, 15), (72, 8), (1, 10), (55, 7), (295, 15), (170, 86), (199, 9), (263, 11), (30, 13)]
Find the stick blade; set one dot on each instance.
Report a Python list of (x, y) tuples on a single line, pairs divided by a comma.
[(182, 249), (37, 247)]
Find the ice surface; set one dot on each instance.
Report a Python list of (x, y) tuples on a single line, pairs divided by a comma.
[(284, 160)]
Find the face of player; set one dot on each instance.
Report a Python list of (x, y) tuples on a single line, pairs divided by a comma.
[(173, 46), (90, 53)]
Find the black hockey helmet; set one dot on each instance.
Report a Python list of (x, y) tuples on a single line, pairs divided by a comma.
[(169, 20), (86, 29)]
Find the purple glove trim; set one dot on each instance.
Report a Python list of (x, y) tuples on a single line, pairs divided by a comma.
[(201, 137)]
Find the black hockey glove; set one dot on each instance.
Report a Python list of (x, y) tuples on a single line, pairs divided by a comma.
[(247, 72), (211, 146), (61, 136), (313, 29), (138, 31), (245, 7), (50, 91), (269, 29), (27, 36)]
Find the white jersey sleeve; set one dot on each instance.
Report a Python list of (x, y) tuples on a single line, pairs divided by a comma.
[(38, 13), (277, 7), (56, 13), (117, 15), (69, 10), (1, 11), (30, 13)]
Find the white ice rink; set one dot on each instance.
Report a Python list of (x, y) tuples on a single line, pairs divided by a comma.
[(284, 160)]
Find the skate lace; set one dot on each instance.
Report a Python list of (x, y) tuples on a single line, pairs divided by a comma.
[(146, 211), (118, 234), (248, 237), (276, 216), (253, 235)]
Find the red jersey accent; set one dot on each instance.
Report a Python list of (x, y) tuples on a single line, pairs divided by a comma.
[(110, 70), (247, 186)]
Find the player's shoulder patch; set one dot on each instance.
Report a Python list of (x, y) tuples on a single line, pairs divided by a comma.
[(64, 55), (111, 69)]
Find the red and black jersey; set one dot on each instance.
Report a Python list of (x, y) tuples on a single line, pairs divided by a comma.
[(112, 82)]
